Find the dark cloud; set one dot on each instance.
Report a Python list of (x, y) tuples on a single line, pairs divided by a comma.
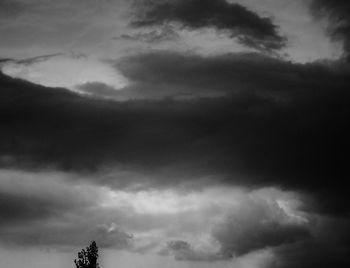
[(176, 74), (248, 27), (279, 124), (338, 13), (291, 113)]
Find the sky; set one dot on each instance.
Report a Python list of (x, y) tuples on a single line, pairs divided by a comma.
[(175, 133)]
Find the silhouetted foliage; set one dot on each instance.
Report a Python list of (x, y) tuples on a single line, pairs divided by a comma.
[(87, 258)]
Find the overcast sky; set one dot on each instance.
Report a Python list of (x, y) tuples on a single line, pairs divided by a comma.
[(175, 133)]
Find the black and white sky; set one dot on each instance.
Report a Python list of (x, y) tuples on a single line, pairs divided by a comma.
[(175, 133)]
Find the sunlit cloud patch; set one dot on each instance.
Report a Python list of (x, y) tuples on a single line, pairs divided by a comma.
[(65, 70)]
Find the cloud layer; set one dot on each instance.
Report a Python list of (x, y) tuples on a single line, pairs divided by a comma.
[(279, 122)]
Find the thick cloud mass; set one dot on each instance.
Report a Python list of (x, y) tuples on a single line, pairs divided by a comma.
[(243, 73), (250, 29), (279, 124)]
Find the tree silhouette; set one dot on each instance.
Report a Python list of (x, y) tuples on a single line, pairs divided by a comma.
[(87, 258)]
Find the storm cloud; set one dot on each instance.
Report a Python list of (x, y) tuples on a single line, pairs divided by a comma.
[(279, 124), (238, 21), (152, 128), (173, 74)]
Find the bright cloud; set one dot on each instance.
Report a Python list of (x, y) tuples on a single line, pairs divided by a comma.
[(155, 220), (68, 71)]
